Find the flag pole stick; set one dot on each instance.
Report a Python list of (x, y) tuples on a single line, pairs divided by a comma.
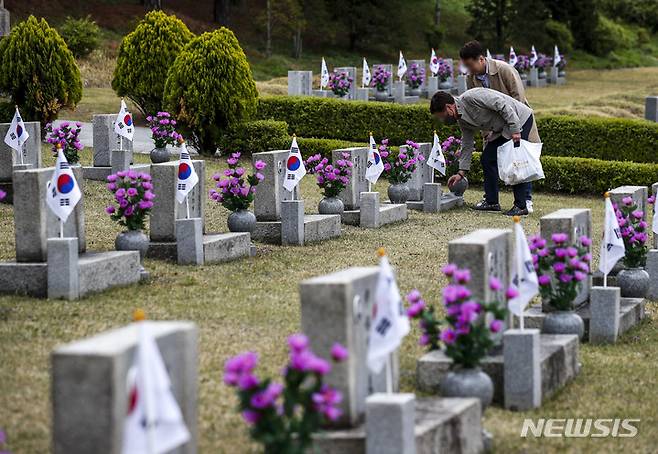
[(61, 228), (20, 153), (369, 186), (389, 375), (187, 205)]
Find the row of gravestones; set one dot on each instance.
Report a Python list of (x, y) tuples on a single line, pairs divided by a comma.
[(337, 308), (535, 366), (300, 83), (48, 266), (90, 395), (172, 235), (280, 213), (110, 153)]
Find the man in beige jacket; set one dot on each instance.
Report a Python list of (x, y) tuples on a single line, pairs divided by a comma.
[(482, 109), (496, 75)]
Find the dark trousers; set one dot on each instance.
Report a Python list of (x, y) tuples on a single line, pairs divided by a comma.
[(489, 161)]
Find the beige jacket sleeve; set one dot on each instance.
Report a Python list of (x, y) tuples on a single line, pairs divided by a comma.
[(513, 83)]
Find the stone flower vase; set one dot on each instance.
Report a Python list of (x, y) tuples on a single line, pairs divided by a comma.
[(242, 221), (633, 282), (398, 193), (445, 84), (381, 95), (563, 322), (331, 205), (414, 91), (468, 382), (460, 187), (159, 155), (133, 240)]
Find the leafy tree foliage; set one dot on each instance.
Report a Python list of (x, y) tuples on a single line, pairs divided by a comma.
[(39, 72), (145, 56), (210, 88)]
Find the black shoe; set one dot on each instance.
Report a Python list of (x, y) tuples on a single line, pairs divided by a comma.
[(483, 205), (516, 211)]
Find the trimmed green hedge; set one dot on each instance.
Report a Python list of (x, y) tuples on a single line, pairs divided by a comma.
[(563, 174), (256, 136), (599, 138)]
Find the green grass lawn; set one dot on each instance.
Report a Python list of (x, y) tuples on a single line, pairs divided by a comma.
[(253, 304)]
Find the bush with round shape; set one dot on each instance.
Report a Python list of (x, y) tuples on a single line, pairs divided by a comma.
[(210, 89), (145, 56), (82, 36), (39, 72)]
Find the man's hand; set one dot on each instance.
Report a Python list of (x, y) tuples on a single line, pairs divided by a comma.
[(454, 180), (516, 137)]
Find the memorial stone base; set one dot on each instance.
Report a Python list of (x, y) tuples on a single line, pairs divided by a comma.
[(317, 227), (221, 247), (98, 271), (442, 426), (631, 312), (448, 202), (388, 214), (558, 362)]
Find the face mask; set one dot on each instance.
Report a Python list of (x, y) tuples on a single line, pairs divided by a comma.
[(450, 120)]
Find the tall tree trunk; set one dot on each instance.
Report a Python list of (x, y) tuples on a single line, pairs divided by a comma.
[(268, 41), (152, 4), (222, 11), (297, 43), (437, 12)]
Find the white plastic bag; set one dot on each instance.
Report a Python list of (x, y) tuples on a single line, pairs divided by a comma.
[(519, 164)]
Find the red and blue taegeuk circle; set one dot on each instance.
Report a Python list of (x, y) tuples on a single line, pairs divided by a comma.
[(184, 171), (293, 163), (65, 184), (377, 158), (128, 120), (19, 131)]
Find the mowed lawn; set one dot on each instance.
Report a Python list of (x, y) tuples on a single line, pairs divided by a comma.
[(253, 304), (605, 93)]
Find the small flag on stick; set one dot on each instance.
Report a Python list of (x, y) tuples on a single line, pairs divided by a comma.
[(436, 159), (375, 165), (123, 125), (154, 423), (389, 321), (295, 169), (187, 177), (17, 135), (524, 276), (612, 246), (62, 191)]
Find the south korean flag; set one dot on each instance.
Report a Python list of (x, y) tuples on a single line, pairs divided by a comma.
[(367, 77), (123, 125), (187, 177), (62, 191), (513, 59), (436, 159), (17, 134), (533, 57), (375, 165), (324, 75), (434, 63), (295, 169), (402, 66)]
